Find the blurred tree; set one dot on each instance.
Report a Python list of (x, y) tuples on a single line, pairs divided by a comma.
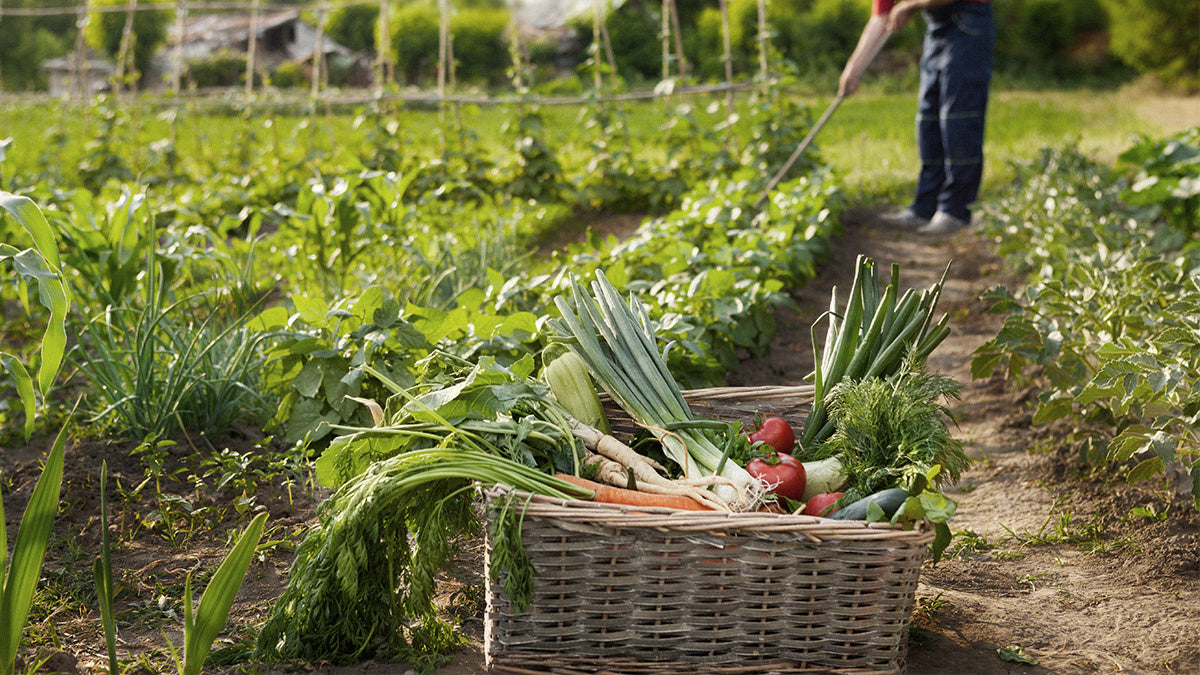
[(27, 41), (1158, 37), (354, 26)]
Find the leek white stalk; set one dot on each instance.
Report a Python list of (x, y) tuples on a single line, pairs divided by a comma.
[(616, 340)]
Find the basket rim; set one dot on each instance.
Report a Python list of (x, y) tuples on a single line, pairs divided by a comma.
[(815, 528)]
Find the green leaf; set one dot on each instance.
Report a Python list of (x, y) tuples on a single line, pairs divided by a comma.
[(941, 539), (1053, 410), (875, 513), (312, 311), (984, 364), (24, 385), (270, 319), (938, 507), (1195, 485), (29, 551), (1164, 446), (31, 218), (1147, 468), (218, 597), (1016, 654)]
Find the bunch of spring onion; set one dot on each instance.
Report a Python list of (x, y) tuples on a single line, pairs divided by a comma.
[(616, 340), (875, 336)]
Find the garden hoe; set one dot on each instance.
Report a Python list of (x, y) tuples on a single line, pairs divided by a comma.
[(869, 55)]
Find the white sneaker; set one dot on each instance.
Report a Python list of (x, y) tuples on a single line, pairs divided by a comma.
[(942, 223), (906, 218)]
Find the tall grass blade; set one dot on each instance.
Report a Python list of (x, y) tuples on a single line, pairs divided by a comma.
[(104, 578), (201, 630), (29, 552)]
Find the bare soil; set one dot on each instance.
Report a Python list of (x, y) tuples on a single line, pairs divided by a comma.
[(1048, 557)]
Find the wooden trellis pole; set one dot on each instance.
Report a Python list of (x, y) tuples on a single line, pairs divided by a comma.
[(665, 37), (81, 21), (383, 48), (517, 53), (180, 38), (320, 73), (252, 48), (762, 40), (679, 55), (1, 62), (728, 55), (608, 50), (443, 56), (125, 51), (596, 81)]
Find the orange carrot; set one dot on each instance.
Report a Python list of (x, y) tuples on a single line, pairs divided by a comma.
[(609, 494)]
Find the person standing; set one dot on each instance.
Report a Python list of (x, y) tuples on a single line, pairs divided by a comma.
[(956, 73)]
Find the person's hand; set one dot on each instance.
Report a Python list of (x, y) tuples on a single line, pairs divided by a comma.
[(848, 83), (899, 16)]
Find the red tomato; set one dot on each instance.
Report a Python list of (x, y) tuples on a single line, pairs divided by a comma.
[(775, 432), (780, 473), (820, 505)]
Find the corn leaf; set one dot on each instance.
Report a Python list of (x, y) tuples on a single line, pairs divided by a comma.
[(45, 266), (24, 385), (202, 629), (29, 552)]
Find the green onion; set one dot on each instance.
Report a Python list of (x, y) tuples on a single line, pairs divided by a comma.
[(616, 340), (871, 338)]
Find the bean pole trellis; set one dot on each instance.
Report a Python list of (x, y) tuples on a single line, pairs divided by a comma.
[(675, 68)]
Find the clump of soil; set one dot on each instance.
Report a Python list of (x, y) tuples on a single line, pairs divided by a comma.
[(1047, 557)]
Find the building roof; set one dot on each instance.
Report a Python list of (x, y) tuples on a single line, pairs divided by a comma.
[(547, 14)]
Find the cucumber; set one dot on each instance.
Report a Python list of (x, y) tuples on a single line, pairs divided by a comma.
[(890, 500)]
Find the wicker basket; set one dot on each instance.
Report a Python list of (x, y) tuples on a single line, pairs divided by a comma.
[(619, 590)]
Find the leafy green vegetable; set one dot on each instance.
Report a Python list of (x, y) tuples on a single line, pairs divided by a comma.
[(892, 431), (362, 582)]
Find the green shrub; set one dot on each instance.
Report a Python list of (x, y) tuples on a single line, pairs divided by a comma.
[(104, 30), (415, 29), (633, 31), (24, 52), (222, 69), (1158, 37), (481, 44), (354, 26), (289, 75), (1055, 38)]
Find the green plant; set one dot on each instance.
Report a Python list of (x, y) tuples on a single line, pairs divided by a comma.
[(1107, 320), (1152, 36), (156, 369), (105, 28), (102, 571), (1166, 180), (202, 624), (19, 574), (42, 264)]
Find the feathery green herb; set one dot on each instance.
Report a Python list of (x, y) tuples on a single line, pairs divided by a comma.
[(892, 430)]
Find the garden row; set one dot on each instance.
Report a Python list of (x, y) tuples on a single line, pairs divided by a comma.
[(1108, 323)]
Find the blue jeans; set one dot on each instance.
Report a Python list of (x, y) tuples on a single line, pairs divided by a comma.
[(956, 69)]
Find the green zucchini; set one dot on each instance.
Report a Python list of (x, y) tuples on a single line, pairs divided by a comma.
[(571, 384), (890, 500)]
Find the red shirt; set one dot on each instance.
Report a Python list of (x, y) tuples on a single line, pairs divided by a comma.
[(879, 7)]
